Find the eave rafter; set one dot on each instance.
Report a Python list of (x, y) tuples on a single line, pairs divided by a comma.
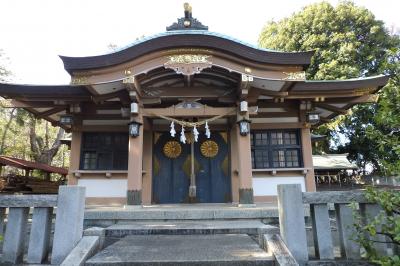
[(52, 111), (121, 94), (331, 108)]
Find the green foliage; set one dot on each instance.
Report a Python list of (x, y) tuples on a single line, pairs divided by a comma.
[(16, 138), (349, 43), (386, 223)]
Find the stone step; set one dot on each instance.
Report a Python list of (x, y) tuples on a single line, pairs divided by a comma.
[(201, 227), (105, 216), (233, 249)]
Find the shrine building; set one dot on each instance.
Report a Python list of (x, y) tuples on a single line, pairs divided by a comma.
[(190, 116)]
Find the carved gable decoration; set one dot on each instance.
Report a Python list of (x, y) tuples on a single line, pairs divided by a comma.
[(188, 64), (187, 22)]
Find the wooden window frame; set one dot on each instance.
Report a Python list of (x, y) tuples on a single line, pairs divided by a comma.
[(270, 148), (110, 145)]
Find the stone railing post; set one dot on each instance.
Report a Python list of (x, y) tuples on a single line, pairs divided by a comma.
[(291, 221), (40, 234), (69, 221), (13, 248)]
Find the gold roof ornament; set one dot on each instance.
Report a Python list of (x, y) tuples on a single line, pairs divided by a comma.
[(187, 7), (188, 64), (187, 22), (300, 75)]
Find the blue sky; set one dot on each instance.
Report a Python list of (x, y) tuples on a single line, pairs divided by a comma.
[(35, 32)]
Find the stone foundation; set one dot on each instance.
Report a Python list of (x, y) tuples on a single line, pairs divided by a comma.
[(134, 197), (246, 196)]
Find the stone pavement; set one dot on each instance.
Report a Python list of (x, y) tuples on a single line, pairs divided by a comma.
[(232, 249)]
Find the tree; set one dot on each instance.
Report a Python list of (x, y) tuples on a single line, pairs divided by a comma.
[(23, 136), (349, 43), (384, 227)]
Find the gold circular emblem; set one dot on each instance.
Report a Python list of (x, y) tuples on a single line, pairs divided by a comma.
[(172, 149), (209, 148)]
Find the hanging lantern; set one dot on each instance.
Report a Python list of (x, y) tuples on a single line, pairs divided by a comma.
[(134, 129), (313, 118), (244, 126), (66, 120)]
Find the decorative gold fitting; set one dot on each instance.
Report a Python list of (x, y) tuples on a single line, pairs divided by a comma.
[(301, 75), (186, 6)]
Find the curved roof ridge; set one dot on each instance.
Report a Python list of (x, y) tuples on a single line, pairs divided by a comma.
[(197, 32), (185, 39)]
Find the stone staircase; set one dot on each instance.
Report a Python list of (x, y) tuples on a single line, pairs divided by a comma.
[(199, 235)]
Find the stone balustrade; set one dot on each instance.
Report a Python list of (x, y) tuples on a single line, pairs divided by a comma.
[(291, 204), (69, 205)]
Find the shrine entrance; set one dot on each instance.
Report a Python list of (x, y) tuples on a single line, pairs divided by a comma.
[(191, 172)]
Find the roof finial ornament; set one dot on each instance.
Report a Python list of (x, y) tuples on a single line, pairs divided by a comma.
[(187, 22)]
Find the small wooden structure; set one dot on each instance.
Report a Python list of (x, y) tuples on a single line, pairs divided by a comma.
[(331, 171), (28, 183)]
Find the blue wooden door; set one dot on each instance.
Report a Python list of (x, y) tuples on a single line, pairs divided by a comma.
[(172, 166), (170, 182), (213, 180)]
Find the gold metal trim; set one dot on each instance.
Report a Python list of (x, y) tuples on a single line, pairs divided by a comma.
[(209, 149), (301, 75), (188, 64), (172, 149)]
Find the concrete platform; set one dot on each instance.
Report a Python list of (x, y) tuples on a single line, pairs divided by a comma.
[(201, 227), (236, 249)]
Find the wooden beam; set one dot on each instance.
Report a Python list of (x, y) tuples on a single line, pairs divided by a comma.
[(121, 94), (370, 98), (271, 93), (100, 117), (288, 86), (204, 111), (133, 84), (184, 92), (244, 86), (319, 94), (91, 89), (331, 108), (51, 112), (275, 114)]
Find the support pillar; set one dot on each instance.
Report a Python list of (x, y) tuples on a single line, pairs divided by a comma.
[(147, 162), (135, 166), (75, 157), (245, 169), (307, 159)]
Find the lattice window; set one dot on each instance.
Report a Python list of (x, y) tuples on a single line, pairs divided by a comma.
[(104, 151), (275, 149)]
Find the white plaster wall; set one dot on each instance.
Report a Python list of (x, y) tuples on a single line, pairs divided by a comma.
[(267, 186), (104, 188)]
